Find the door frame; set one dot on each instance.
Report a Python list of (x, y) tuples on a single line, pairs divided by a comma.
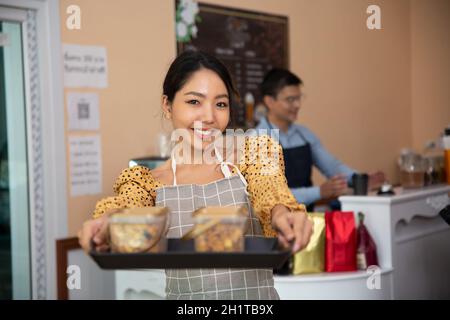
[(44, 99)]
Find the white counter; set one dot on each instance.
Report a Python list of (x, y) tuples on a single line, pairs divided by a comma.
[(411, 238), (413, 245)]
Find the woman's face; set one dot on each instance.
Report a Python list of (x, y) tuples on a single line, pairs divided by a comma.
[(201, 108)]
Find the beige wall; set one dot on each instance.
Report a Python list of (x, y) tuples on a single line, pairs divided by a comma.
[(140, 47), (430, 85), (358, 82)]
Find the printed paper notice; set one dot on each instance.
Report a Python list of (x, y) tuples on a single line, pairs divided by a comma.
[(85, 165), (82, 109), (85, 66)]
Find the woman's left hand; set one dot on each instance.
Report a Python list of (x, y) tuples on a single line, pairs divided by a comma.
[(294, 228)]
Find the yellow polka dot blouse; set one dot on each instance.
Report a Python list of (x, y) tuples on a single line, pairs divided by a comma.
[(262, 166)]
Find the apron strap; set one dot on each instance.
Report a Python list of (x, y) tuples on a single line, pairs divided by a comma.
[(174, 168), (226, 170), (224, 166)]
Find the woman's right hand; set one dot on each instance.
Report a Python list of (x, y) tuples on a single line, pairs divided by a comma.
[(96, 230)]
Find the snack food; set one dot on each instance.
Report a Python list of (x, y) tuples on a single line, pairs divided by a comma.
[(138, 230), (219, 229)]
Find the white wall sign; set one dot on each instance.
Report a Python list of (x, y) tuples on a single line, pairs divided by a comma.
[(85, 66), (85, 165), (82, 109)]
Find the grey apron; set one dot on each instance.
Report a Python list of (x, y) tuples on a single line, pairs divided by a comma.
[(212, 283)]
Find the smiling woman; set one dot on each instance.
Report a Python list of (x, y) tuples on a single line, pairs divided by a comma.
[(183, 68), (203, 100), (197, 95)]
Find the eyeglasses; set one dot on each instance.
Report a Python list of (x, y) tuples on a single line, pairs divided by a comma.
[(293, 99)]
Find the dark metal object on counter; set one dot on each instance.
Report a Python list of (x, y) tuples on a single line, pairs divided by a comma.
[(445, 214), (386, 190), (360, 183)]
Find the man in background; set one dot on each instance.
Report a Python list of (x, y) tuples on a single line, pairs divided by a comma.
[(282, 95)]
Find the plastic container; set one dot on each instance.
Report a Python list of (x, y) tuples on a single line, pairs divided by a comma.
[(139, 230), (219, 229), (435, 165), (412, 170)]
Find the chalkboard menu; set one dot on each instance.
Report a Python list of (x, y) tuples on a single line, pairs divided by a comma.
[(249, 43)]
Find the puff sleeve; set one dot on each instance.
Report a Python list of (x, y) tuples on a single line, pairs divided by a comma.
[(262, 165), (135, 187)]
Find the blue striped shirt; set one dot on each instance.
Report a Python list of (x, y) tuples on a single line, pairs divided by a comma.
[(327, 164)]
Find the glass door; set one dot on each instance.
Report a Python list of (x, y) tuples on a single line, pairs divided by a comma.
[(15, 267)]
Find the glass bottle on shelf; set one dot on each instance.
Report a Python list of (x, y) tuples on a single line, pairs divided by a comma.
[(412, 170), (249, 109), (446, 144), (434, 161)]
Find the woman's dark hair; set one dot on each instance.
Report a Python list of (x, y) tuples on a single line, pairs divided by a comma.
[(276, 79), (189, 62)]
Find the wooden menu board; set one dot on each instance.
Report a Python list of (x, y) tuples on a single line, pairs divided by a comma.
[(249, 43)]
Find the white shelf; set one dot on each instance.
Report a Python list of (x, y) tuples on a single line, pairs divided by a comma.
[(401, 195), (327, 276), (336, 285)]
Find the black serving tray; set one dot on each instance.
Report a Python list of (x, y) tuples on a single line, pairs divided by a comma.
[(259, 253)]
